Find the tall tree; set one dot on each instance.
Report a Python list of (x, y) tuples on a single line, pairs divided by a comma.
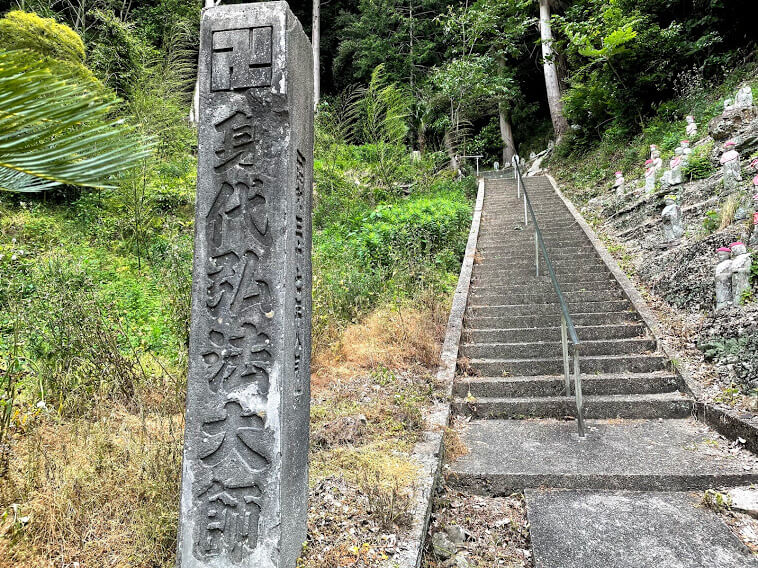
[(552, 83)]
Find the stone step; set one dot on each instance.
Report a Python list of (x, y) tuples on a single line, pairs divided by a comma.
[(551, 241), (629, 529), (527, 266), (553, 385), (554, 319), (626, 406), (577, 277), (497, 253), (509, 257), (543, 349), (544, 285), (507, 456), (485, 296), (554, 365), (505, 310), (528, 335), (518, 273)]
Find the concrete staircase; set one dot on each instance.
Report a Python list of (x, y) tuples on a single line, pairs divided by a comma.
[(614, 499), (511, 346)]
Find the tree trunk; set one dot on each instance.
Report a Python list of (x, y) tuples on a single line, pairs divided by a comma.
[(552, 85), (316, 41), (506, 133)]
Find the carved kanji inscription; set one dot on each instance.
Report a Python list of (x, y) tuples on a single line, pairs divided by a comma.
[(241, 59)]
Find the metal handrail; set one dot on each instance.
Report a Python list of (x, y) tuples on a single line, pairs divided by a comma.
[(568, 331)]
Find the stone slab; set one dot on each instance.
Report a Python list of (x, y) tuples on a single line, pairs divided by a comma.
[(245, 474), (677, 454), (587, 529)]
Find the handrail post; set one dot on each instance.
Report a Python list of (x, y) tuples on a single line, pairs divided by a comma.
[(566, 367), (537, 252), (578, 392)]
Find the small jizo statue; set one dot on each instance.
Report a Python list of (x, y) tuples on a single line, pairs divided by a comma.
[(619, 184), (728, 105), (691, 126), (673, 223), (744, 98), (650, 172), (723, 278), (754, 235), (675, 174), (741, 264), (496, 166), (753, 165), (730, 166), (686, 151), (655, 155)]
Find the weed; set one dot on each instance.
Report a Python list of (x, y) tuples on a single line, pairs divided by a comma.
[(388, 504), (716, 500)]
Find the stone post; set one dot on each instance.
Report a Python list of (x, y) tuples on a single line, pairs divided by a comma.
[(245, 473)]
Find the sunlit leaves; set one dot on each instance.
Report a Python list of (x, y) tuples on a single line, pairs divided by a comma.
[(58, 129)]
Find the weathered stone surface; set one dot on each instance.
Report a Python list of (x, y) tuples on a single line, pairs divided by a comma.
[(723, 126), (632, 454), (442, 546), (586, 529), (744, 499), (244, 484)]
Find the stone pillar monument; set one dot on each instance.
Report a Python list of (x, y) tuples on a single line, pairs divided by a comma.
[(245, 473), (723, 277)]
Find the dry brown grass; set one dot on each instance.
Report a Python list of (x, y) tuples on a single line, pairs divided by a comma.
[(395, 338), (728, 210), (454, 446), (100, 493)]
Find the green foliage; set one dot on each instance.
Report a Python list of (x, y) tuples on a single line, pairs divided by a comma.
[(711, 221), (117, 53), (57, 130), (396, 250), (20, 30), (699, 165)]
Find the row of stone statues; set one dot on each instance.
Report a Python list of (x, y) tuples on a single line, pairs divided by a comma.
[(730, 159), (732, 275), (743, 99)]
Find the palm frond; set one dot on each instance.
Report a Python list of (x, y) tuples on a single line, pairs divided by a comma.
[(56, 129)]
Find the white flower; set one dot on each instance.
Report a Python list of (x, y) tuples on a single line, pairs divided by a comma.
[(41, 405), (14, 257), (13, 240)]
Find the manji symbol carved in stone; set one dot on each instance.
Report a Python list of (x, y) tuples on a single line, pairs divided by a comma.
[(241, 59), (245, 472)]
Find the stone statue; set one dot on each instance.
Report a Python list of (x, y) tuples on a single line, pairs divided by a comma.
[(691, 126), (675, 173), (723, 278), (673, 222), (754, 164), (496, 166), (741, 265), (730, 165), (655, 155), (620, 184), (650, 172), (744, 98), (728, 105), (686, 151)]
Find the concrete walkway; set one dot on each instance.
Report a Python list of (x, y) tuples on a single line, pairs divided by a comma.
[(641, 438)]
